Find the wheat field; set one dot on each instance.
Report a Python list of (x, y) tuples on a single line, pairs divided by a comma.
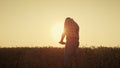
[(49, 57)]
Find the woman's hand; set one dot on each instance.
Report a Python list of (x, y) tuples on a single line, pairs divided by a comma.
[(61, 42)]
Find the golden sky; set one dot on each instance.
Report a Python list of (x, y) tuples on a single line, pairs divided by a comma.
[(34, 22)]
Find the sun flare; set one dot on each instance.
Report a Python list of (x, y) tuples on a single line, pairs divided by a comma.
[(57, 30)]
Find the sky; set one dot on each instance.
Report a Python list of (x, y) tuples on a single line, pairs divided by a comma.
[(31, 23)]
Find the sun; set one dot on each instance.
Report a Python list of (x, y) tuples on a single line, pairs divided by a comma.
[(56, 31)]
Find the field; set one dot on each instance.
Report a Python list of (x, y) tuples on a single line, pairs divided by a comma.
[(101, 57)]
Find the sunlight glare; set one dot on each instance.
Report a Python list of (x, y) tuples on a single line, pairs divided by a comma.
[(56, 31)]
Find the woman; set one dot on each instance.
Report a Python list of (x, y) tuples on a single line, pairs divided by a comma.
[(71, 31)]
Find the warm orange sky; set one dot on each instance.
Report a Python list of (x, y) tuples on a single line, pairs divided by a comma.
[(33, 22)]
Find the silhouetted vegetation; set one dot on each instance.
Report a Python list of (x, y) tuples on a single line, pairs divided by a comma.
[(101, 57)]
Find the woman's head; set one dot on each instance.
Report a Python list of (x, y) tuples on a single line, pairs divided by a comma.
[(69, 20)]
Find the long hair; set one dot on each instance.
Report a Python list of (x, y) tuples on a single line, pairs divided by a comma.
[(69, 22)]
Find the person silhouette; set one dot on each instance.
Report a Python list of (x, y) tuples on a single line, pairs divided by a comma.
[(71, 31)]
